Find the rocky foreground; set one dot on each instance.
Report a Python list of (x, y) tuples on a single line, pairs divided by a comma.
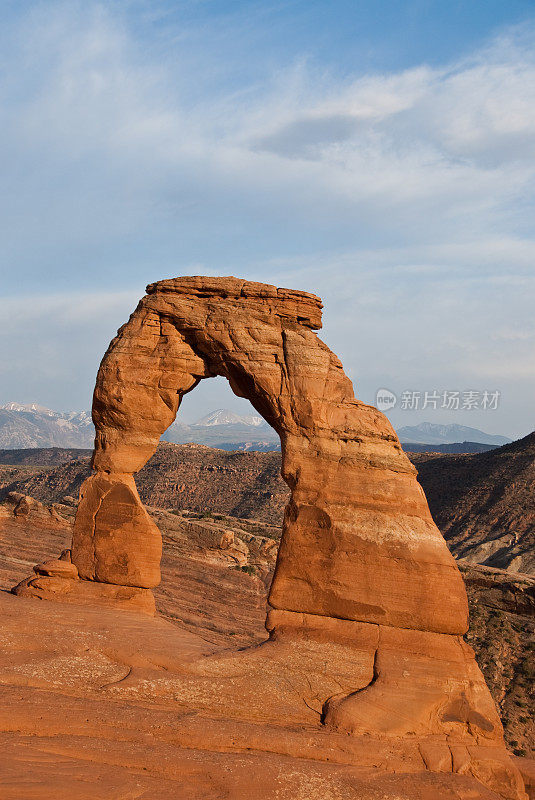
[(114, 676)]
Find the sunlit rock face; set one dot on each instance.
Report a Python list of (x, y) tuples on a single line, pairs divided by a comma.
[(366, 601), (359, 542)]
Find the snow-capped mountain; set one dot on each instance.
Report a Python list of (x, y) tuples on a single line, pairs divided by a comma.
[(225, 417), (81, 418), (431, 433), (223, 427), (28, 407), (25, 425)]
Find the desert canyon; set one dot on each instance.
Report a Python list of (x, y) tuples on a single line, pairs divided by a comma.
[(363, 686)]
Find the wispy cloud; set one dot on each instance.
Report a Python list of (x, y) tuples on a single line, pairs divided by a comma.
[(458, 140), (397, 195)]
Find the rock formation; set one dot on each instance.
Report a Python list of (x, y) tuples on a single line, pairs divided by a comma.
[(361, 565)]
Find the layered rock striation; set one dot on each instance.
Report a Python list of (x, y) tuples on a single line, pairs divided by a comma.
[(358, 542), (361, 565)]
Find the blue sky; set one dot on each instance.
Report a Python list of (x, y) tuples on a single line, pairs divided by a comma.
[(380, 154)]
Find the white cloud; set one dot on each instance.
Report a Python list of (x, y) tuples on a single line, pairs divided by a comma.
[(460, 138), (397, 196)]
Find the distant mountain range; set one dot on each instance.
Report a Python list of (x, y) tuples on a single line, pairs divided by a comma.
[(226, 430), (32, 425), (430, 433), (225, 417)]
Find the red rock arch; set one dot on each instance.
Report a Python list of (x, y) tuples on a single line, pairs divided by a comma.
[(361, 569), (358, 541)]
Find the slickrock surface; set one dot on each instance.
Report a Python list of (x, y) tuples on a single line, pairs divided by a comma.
[(31, 538), (205, 591), (367, 605), (216, 571), (99, 703)]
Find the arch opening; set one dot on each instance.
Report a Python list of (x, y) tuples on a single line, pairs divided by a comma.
[(227, 502), (235, 471)]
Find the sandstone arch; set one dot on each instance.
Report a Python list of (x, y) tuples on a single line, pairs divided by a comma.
[(362, 569), (359, 542)]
